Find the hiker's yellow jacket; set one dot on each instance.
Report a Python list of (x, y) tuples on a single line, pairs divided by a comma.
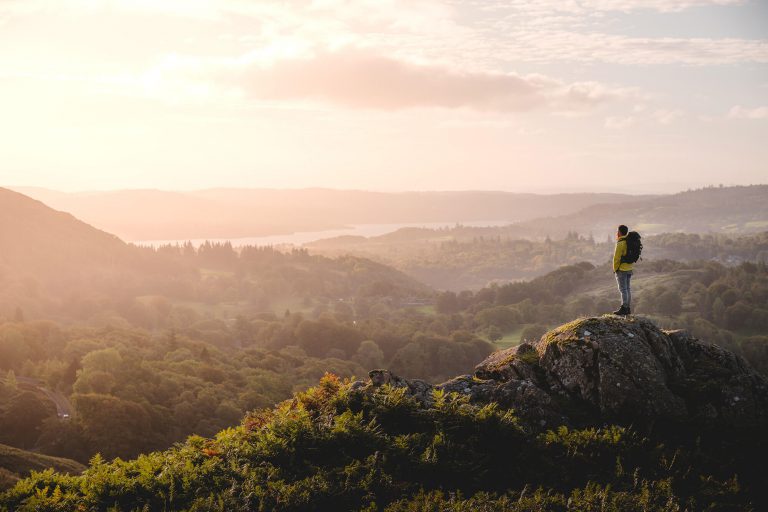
[(621, 250)]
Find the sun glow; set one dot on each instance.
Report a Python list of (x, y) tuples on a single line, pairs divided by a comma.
[(373, 94)]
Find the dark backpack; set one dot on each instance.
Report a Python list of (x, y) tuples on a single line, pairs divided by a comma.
[(634, 248)]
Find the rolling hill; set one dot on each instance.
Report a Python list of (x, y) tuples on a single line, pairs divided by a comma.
[(55, 265), (724, 224), (237, 213), (36, 238), (16, 463), (742, 209)]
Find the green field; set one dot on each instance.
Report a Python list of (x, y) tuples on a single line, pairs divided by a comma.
[(511, 338), (426, 310)]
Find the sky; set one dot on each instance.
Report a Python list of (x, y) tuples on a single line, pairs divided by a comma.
[(544, 95)]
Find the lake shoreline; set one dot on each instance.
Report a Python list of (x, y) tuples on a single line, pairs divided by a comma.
[(299, 238)]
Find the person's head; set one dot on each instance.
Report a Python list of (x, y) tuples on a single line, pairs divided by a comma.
[(622, 231)]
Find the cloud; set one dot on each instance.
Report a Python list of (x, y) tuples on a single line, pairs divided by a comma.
[(497, 34), (642, 117), (364, 79), (548, 46), (585, 31), (656, 5), (619, 123), (201, 9), (556, 7), (739, 112), (663, 116)]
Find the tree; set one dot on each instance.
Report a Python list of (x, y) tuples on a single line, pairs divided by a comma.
[(106, 360), (63, 438), (13, 348), (343, 311), (10, 380), (669, 303), (369, 355), (317, 338), (494, 334), (737, 316), (94, 381), (114, 427), (533, 333), (502, 317), (411, 361), (718, 311), (447, 303), (69, 376), (22, 418)]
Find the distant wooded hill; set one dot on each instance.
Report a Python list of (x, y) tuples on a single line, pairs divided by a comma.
[(707, 210), (726, 224), (52, 264), (236, 213), (452, 259), (36, 238), (729, 210)]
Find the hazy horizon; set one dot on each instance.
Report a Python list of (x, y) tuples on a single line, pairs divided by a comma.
[(661, 188)]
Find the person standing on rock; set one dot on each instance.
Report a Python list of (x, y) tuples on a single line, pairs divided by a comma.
[(623, 270)]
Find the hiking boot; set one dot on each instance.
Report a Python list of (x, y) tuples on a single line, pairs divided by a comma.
[(621, 311), (627, 311)]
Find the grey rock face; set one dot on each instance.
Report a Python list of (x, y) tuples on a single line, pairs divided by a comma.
[(608, 368), (618, 375), (418, 388), (719, 386), (513, 363)]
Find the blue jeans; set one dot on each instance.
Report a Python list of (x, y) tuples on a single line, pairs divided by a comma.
[(622, 279)]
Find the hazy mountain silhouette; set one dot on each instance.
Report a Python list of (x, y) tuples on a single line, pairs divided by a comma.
[(741, 209), (232, 213), (37, 238), (51, 261), (731, 210)]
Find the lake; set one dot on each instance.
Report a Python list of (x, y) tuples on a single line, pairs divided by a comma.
[(303, 237)]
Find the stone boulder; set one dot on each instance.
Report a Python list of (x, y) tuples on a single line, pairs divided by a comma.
[(620, 368), (610, 369)]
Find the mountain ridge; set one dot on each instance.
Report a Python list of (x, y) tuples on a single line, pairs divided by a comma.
[(31, 232), (240, 213), (54, 265)]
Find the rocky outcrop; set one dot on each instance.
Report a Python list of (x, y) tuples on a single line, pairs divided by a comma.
[(623, 370)]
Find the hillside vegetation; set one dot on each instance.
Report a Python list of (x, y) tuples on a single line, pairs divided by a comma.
[(151, 346), (16, 464), (56, 267), (387, 446), (727, 224), (173, 372), (469, 258)]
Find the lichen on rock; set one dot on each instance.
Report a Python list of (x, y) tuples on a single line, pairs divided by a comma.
[(623, 370)]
